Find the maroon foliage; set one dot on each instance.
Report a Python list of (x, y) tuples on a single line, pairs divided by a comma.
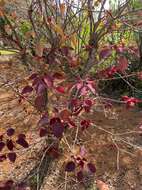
[(33, 76), (10, 144), (21, 141), (70, 166), (2, 145), (111, 71), (40, 102), (1, 137), (10, 132), (40, 88), (69, 80), (48, 81), (21, 136), (87, 105), (43, 132), (57, 127), (58, 130), (122, 65), (105, 52), (85, 124), (81, 163), (71, 124), (27, 89), (130, 101), (12, 156), (91, 167), (55, 120), (60, 89), (74, 103)]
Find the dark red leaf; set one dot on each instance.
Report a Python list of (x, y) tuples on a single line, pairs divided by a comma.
[(81, 163), (87, 105), (36, 81), (21, 136), (125, 98), (109, 72), (2, 145), (22, 142), (105, 52), (2, 157), (65, 50), (60, 89), (10, 132), (58, 130), (74, 102), (85, 124), (65, 114), (12, 156), (80, 176), (40, 102), (58, 76), (88, 102), (10, 144), (33, 76), (48, 81), (40, 88), (27, 89), (71, 124), (1, 137), (91, 167), (70, 166), (122, 64), (130, 101), (43, 132), (55, 120)]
